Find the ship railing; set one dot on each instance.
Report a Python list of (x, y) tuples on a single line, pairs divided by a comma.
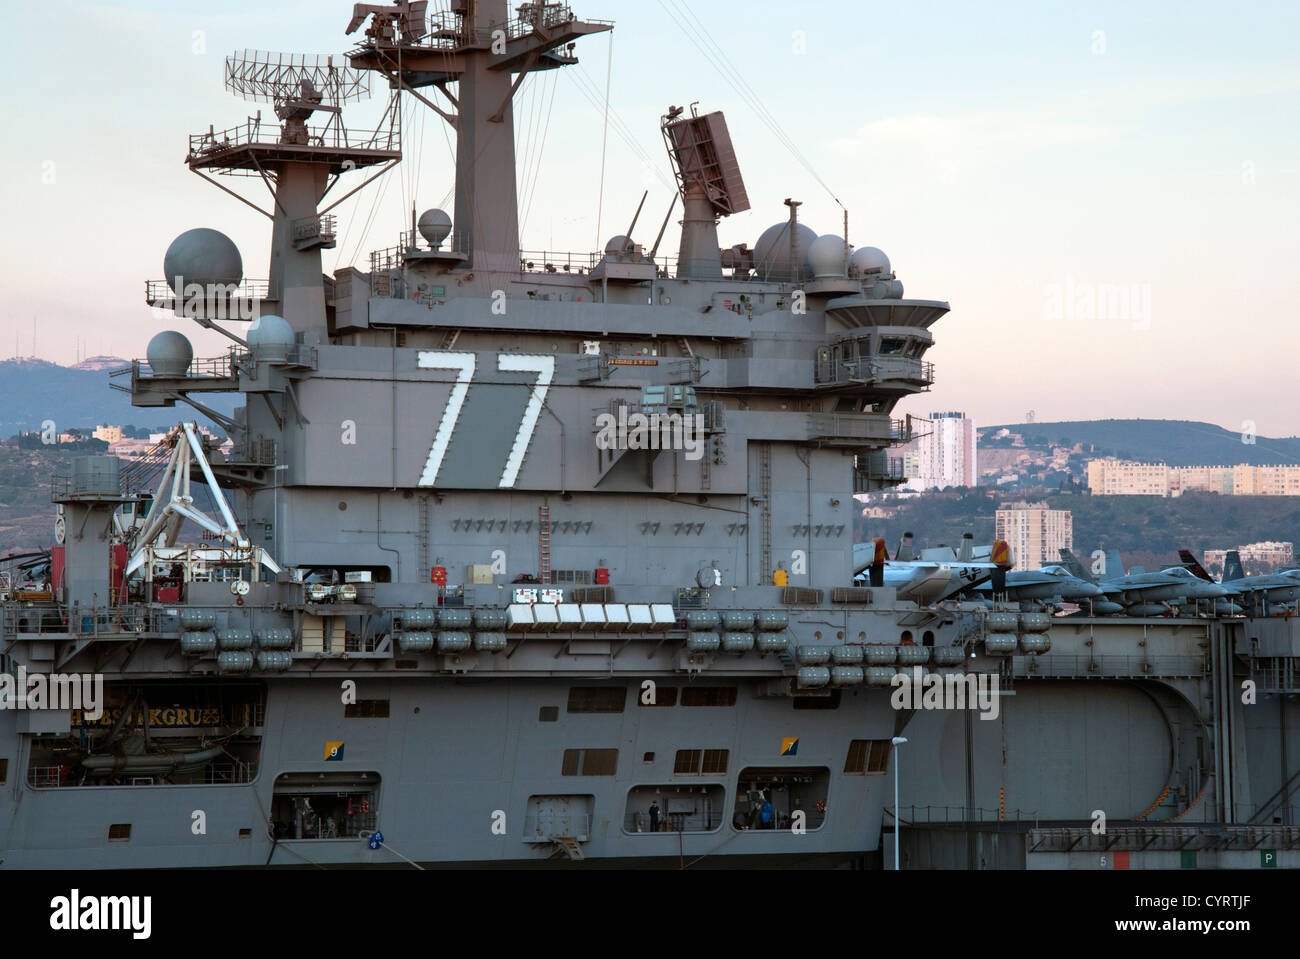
[(873, 369), (532, 262), (1276, 673), (959, 814), (83, 621), (259, 451), (866, 427), (635, 821), (1054, 664), (221, 301), (537, 16), (213, 367), (253, 132), (309, 227), (356, 643), (714, 413), (43, 777), (234, 772), (866, 475)]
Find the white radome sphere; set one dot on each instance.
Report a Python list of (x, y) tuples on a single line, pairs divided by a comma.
[(868, 261), (434, 226), (772, 251), (270, 337), (169, 353), (826, 256), (202, 256)]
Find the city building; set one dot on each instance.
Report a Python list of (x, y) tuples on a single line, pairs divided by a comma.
[(1116, 477), (945, 455), (1034, 533), (1255, 557), (109, 434)]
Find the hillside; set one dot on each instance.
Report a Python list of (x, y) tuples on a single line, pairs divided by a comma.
[(35, 391), (26, 513), (1143, 528), (1176, 442)]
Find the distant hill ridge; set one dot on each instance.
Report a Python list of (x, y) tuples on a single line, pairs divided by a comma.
[(1176, 442), (36, 390)]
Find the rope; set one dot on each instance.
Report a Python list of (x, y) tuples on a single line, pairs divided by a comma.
[(609, 72), (1152, 808), (723, 65)]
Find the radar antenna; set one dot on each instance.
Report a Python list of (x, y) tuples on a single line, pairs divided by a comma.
[(284, 78)]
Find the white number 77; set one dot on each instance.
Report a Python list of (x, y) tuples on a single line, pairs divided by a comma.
[(464, 365)]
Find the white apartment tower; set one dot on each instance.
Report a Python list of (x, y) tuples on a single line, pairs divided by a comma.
[(945, 456)]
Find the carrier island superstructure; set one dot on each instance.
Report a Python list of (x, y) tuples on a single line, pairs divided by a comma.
[(509, 548)]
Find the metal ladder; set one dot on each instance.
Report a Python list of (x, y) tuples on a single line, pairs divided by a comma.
[(422, 539), (544, 543), (569, 846), (765, 511)]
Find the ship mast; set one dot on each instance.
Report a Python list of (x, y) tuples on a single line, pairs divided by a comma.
[(299, 162), (486, 53)]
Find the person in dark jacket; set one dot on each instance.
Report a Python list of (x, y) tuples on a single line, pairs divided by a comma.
[(654, 815)]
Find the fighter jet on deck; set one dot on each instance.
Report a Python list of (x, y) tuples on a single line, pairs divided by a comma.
[(1052, 584), (1253, 593), (935, 576), (1150, 594)]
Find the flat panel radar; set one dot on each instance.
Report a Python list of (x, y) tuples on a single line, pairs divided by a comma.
[(701, 150)]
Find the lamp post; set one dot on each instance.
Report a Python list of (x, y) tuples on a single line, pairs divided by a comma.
[(897, 741)]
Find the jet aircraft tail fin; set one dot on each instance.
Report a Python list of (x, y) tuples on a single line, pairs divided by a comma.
[(905, 554), (1232, 569)]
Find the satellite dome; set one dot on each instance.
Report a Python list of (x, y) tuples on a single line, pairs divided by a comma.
[(868, 260), (270, 337), (169, 353), (619, 245), (202, 256), (826, 256), (772, 251), (434, 226)]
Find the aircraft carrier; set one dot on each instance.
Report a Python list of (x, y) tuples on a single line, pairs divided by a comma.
[(521, 558)]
